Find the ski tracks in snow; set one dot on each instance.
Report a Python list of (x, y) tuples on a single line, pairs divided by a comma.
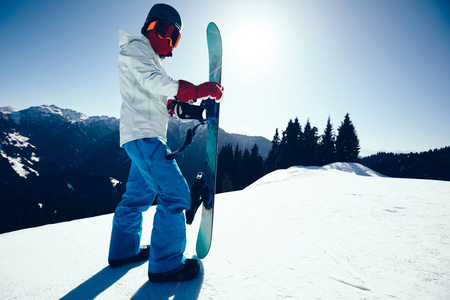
[(268, 288), (346, 267)]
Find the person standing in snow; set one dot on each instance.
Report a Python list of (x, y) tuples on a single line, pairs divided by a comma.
[(145, 89)]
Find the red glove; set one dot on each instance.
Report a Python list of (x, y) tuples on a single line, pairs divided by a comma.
[(186, 91), (211, 90), (189, 92)]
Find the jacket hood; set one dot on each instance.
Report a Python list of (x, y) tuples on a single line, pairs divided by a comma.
[(126, 38)]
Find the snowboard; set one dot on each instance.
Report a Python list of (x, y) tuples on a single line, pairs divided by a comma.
[(204, 237)]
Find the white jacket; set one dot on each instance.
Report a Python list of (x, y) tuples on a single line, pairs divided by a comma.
[(145, 88)]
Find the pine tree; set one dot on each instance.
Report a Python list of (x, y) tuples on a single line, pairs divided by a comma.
[(272, 157), (237, 175), (297, 141), (235, 170), (256, 165), (225, 169), (347, 142), (290, 146), (310, 139), (327, 145), (247, 167)]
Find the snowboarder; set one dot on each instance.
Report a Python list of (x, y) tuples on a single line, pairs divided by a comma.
[(145, 89)]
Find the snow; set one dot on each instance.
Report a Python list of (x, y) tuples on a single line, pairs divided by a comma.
[(48, 110), (8, 110), (17, 140), (34, 157), (13, 113), (15, 160), (67, 114), (114, 181), (17, 165), (335, 232)]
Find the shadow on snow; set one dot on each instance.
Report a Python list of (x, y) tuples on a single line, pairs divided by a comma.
[(108, 276)]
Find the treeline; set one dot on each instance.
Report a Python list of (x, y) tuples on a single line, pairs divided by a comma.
[(295, 146), (236, 170), (56, 198), (433, 164)]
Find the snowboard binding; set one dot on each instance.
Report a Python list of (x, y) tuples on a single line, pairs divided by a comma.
[(201, 192), (192, 112), (187, 112)]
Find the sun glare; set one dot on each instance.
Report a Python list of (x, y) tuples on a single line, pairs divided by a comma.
[(252, 45)]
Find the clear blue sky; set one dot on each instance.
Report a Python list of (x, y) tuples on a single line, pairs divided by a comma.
[(385, 62)]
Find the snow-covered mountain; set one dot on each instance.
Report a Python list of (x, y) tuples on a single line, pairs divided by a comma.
[(46, 149), (44, 140), (42, 113), (336, 232), (47, 139)]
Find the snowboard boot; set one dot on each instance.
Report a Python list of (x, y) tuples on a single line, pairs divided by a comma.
[(188, 270), (142, 255)]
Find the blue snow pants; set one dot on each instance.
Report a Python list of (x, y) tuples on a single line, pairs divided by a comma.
[(152, 175)]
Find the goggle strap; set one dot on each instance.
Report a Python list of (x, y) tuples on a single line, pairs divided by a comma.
[(151, 26)]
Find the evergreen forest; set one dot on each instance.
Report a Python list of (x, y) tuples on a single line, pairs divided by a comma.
[(303, 145), (296, 145)]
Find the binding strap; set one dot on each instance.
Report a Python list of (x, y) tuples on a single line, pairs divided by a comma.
[(186, 111)]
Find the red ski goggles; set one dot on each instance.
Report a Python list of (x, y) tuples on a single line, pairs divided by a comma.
[(166, 31)]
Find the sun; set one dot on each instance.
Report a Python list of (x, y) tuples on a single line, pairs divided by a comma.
[(252, 45)]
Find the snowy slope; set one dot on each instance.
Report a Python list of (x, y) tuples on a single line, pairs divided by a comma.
[(335, 232)]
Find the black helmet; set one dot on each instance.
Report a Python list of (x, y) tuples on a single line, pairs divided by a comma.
[(162, 12)]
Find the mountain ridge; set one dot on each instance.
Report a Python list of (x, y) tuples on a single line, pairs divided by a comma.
[(46, 146), (47, 122)]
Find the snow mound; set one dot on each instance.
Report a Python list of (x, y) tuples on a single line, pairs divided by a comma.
[(296, 172), (354, 168)]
